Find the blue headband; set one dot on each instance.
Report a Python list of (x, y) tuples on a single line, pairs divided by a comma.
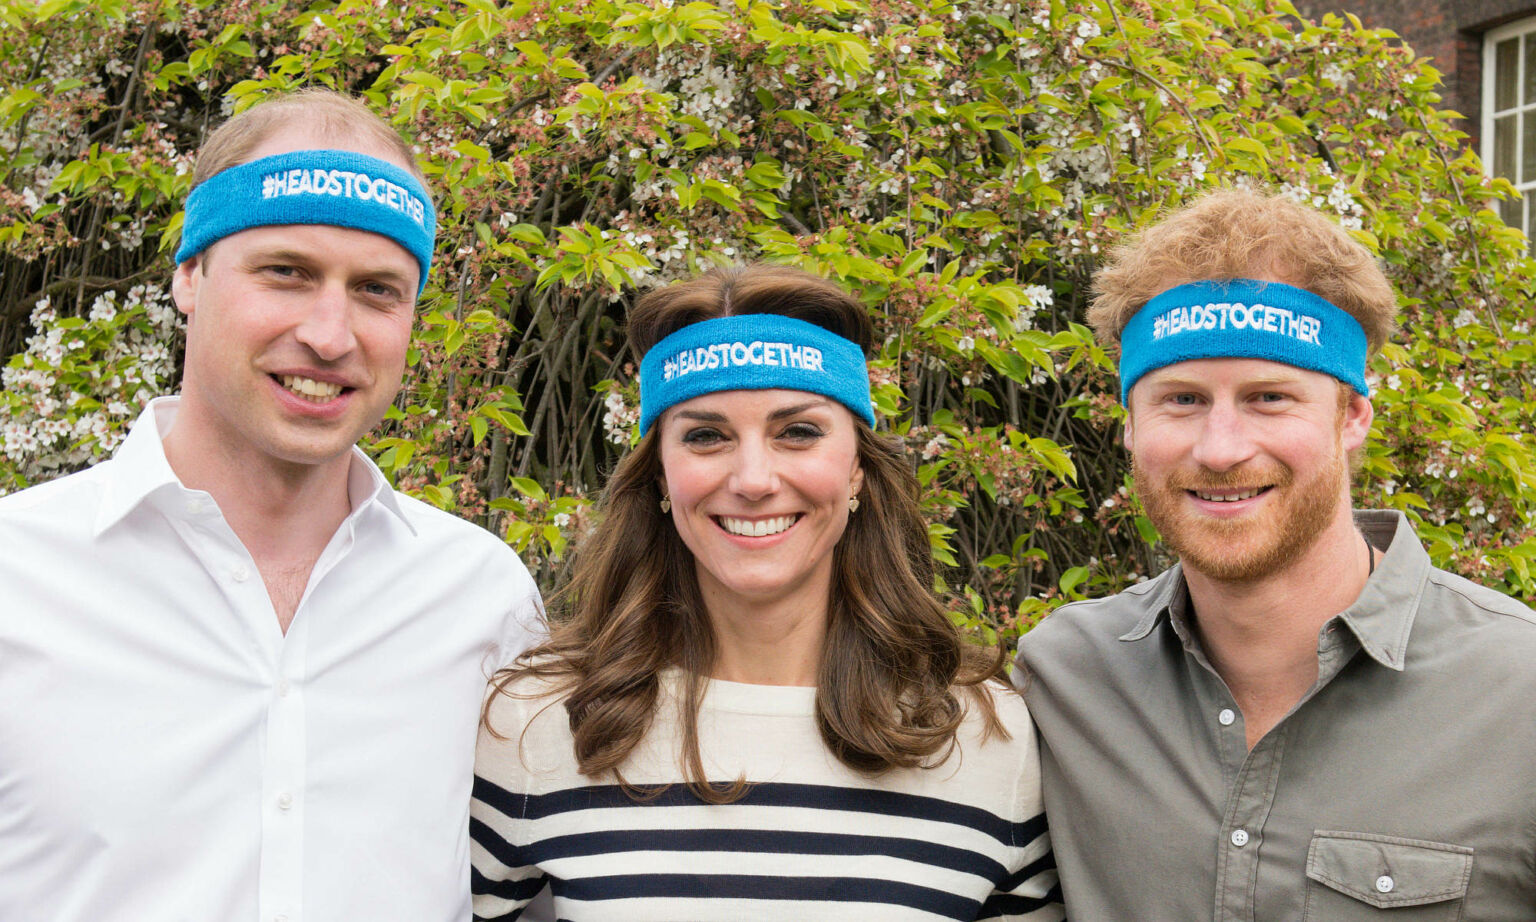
[(1242, 318), (752, 352), (336, 187)]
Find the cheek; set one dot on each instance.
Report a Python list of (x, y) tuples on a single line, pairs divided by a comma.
[(684, 478)]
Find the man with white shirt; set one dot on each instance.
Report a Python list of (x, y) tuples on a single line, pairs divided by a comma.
[(240, 674)]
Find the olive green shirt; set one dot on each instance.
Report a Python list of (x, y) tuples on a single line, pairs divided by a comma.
[(1402, 787)]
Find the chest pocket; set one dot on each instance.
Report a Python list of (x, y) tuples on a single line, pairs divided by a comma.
[(1358, 876)]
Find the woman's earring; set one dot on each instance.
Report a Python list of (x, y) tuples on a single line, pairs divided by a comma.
[(853, 504), (666, 504)]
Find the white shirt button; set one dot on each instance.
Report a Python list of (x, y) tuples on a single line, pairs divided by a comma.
[(1239, 837), (195, 505), (279, 918), (284, 801), (240, 573), (1384, 884), (1226, 718), (283, 688)]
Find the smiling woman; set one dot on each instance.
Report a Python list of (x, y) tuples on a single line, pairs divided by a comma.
[(754, 706)]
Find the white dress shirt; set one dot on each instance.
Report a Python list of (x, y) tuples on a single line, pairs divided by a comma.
[(167, 754)]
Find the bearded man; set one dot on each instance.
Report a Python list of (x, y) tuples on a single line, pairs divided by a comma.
[(1302, 719)]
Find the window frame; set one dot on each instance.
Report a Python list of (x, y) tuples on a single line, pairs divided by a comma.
[(1524, 31)]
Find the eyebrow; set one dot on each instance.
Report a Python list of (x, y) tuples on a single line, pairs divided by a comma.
[(1196, 382), (283, 254), (280, 253), (798, 408)]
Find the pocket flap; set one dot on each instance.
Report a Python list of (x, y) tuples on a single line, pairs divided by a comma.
[(1388, 871)]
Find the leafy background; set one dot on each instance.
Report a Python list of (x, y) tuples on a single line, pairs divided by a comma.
[(960, 165)]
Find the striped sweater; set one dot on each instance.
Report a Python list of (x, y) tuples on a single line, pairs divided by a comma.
[(811, 839)]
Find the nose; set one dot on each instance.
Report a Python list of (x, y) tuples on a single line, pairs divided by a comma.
[(1225, 439), (326, 327), (754, 476)]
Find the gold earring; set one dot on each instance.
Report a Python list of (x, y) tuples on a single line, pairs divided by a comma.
[(666, 504), (853, 504)]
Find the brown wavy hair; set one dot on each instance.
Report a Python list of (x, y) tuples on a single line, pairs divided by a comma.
[(1239, 233), (892, 661)]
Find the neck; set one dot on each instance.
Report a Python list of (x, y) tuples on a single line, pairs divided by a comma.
[(1261, 635), (283, 513), (767, 642)]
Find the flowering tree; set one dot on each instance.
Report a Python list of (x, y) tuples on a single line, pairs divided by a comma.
[(960, 165)]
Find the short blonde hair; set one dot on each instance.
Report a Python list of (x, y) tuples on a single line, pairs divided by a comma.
[(329, 113), (1236, 233)]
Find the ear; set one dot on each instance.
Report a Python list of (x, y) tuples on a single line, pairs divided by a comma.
[(184, 282), (1358, 416), (856, 479), (1127, 436)]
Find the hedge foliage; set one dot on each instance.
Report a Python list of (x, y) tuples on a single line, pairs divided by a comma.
[(961, 165)]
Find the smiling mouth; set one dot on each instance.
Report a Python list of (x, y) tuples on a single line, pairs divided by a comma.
[(310, 389), (1231, 496), (756, 528)]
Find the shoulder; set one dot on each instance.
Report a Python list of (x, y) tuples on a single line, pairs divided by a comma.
[(436, 525), (71, 493), (1098, 622), (471, 564), (1479, 628), (524, 720), (1018, 736), (1459, 589)]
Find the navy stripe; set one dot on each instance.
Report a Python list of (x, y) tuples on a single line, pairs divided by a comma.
[(502, 800), (522, 889), (809, 796), (764, 887), (762, 841), (1007, 905), (1029, 830), (499, 848), (1040, 865)]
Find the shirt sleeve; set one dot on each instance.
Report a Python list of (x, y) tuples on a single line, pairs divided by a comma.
[(1031, 892), (503, 879), (524, 625)]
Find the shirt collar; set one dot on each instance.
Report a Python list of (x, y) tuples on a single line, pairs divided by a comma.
[(1381, 618), (1161, 593), (139, 470)]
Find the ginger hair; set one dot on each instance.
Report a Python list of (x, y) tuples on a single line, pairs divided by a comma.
[(1238, 233)]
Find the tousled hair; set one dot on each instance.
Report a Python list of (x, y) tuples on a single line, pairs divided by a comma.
[(1238, 233), (892, 660), (326, 112)]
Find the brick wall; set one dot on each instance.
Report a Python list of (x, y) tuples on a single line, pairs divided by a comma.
[(1448, 31)]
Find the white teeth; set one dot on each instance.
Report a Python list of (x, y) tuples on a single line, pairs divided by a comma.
[(310, 389), (758, 528), (1228, 497)]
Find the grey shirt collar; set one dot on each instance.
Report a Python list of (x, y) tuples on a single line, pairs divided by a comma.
[(1380, 619)]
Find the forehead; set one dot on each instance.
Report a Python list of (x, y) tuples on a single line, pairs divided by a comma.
[(357, 250), (1231, 373), (309, 137), (744, 405)]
